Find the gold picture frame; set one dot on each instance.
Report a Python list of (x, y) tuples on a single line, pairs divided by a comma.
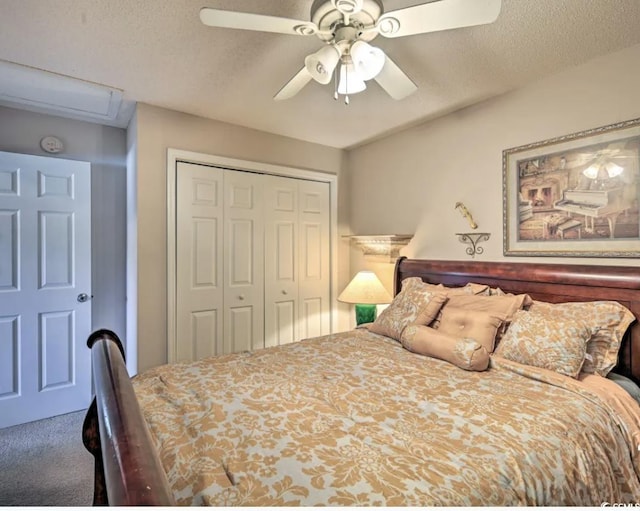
[(574, 196)]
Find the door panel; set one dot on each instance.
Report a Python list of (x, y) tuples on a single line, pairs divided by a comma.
[(244, 262), (281, 260), (315, 246), (56, 349), (9, 262), (45, 263), (9, 353), (199, 263), (204, 327), (311, 322)]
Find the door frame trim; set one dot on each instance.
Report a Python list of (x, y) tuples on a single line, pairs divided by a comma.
[(177, 155)]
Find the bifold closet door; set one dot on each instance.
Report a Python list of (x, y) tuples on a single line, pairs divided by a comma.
[(314, 280), (297, 265), (252, 260), (199, 262), (281, 260), (243, 261)]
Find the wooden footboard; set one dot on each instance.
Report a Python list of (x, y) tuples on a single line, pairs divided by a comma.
[(127, 469)]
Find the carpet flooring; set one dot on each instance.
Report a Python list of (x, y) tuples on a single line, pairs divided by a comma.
[(44, 463)]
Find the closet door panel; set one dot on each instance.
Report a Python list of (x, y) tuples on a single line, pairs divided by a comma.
[(199, 261), (281, 260), (244, 261), (314, 259)]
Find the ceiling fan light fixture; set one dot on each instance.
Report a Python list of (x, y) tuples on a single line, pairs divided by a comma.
[(367, 60), (322, 63), (350, 81)]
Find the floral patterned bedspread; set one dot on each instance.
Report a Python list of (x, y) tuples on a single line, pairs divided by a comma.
[(355, 419)]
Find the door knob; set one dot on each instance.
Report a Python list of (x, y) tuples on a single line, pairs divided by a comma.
[(241, 297), (284, 291), (83, 297)]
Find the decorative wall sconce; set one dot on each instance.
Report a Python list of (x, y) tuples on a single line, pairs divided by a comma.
[(472, 239), (465, 213), (382, 246)]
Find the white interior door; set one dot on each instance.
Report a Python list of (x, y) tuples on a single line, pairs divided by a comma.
[(244, 262), (280, 260), (45, 287), (199, 268), (315, 264)]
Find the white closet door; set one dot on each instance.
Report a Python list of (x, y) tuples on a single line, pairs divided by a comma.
[(199, 261), (244, 262), (314, 259), (281, 260)]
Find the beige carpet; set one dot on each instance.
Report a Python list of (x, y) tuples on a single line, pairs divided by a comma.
[(44, 463)]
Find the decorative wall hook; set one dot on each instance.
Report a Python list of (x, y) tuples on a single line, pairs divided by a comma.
[(472, 239), (465, 213)]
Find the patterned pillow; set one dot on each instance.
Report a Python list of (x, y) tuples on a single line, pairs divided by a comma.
[(608, 321), (478, 325), (463, 352), (413, 304), (554, 343)]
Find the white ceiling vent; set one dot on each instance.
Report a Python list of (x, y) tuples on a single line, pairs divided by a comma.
[(41, 91)]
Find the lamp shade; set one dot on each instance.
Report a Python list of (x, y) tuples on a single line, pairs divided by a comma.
[(367, 60), (365, 288), (350, 80), (322, 63)]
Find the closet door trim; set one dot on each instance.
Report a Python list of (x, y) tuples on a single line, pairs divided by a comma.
[(177, 155)]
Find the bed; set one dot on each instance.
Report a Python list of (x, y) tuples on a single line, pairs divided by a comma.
[(362, 418)]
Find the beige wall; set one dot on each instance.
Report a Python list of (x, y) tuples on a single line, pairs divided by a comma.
[(153, 131), (410, 182)]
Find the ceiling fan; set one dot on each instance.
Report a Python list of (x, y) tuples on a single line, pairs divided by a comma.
[(346, 27)]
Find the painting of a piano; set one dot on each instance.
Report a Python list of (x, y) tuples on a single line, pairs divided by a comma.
[(576, 195)]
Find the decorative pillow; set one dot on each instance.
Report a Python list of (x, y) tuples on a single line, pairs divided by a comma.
[(478, 325), (413, 304), (468, 289), (607, 320), (501, 307), (554, 343), (463, 352)]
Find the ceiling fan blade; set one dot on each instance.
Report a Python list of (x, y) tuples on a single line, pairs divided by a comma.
[(295, 85), (249, 21), (393, 80), (438, 15)]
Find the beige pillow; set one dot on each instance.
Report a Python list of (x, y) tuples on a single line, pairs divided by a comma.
[(464, 352), (413, 304), (554, 343), (478, 325), (607, 320), (502, 307), (468, 289)]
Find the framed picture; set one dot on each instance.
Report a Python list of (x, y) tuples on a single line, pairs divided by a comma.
[(574, 196)]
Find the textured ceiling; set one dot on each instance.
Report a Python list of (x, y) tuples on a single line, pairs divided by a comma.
[(158, 52)]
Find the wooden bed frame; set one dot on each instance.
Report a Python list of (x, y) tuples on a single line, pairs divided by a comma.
[(127, 468)]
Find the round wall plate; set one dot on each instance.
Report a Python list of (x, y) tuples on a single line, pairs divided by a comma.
[(51, 145)]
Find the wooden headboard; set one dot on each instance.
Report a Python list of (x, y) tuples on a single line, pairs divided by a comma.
[(547, 282)]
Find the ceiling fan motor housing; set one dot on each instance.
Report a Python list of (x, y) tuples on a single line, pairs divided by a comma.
[(329, 16)]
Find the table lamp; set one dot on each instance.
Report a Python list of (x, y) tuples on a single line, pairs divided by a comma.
[(366, 291)]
